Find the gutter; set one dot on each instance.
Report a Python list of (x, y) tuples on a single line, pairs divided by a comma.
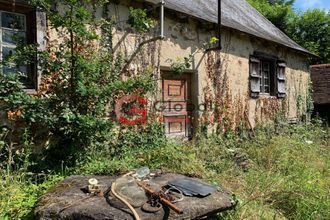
[(162, 16), (219, 30), (219, 25)]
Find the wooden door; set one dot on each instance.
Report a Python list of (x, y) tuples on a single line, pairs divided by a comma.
[(176, 101)]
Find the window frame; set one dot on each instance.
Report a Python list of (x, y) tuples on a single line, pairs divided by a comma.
[(11, 46), (271, 77), (31, 84), (263, 78), (257, 76)]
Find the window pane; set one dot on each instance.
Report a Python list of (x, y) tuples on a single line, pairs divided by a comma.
[(267, 90), (265, 86), (13, 21), (265, 66), (266, 82), (9, 70), (12, 69), (265, 74), (12, 37), (7, 52)]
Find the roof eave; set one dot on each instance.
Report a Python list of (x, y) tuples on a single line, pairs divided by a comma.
[(301, 49)]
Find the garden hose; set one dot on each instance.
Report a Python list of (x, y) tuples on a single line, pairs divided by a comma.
[(136, 215)]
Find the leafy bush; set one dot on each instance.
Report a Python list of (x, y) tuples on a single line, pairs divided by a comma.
[(82, 80), (139, 20), (19, 195)]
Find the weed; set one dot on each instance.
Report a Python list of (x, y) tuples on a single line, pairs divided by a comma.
[(20, 194)]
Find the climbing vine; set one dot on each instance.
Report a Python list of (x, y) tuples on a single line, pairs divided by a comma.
[(217, 67), (180, 64), (309, 98), (139, 20)]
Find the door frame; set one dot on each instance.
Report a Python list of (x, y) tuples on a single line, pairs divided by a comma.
[(188, 76)]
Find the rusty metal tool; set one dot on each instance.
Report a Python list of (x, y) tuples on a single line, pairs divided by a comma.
[(161, 197)]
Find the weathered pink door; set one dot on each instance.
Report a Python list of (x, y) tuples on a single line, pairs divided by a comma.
[(176, 99)]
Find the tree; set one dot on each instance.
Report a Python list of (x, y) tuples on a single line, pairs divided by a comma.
[(311, 29), (82, 78), (277, 11)]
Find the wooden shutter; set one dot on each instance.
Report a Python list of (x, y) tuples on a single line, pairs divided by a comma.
[(40, 35), (255, 77), (280, 79)]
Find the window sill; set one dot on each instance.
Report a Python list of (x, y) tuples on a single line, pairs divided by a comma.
[(267, 95), (31, 91)]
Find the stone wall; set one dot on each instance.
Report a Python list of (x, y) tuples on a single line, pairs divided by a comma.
[(185, 35)]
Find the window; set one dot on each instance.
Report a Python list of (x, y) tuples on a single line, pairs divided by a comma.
[(20, 22), (267, 76), (12, 30)]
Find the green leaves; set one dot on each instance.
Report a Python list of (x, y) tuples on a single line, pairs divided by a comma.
[(12, 95), (278, 11), (310, 29), (82, 79), (139, 20), (82, 13), (179, 65), (214, 40)]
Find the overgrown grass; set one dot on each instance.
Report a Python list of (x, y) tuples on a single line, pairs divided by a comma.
[(282, 172), (288, 177), (19, 194)]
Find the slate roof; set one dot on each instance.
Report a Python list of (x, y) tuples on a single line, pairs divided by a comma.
[(236, 14)]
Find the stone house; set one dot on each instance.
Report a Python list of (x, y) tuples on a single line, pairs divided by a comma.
[(259, 73)]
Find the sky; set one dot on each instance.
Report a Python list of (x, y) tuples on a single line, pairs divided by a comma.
[(310, 4)]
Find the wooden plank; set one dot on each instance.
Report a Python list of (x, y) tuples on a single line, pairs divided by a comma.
[(320, 75)]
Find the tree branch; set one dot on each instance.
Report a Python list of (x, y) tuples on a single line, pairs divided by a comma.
[(130, 60)]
